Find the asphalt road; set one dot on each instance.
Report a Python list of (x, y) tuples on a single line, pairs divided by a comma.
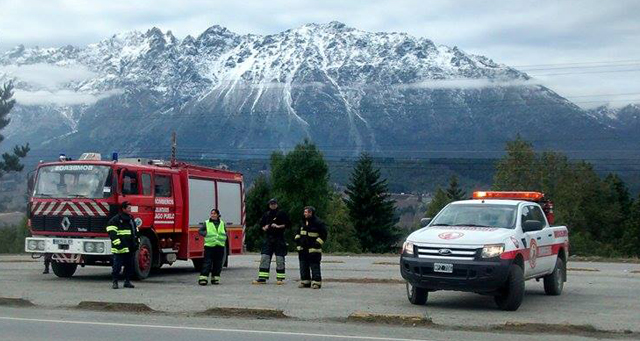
[(69, 325), (603, 295)]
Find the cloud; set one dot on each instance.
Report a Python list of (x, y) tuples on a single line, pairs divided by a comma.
[(59, 97), (47, 76)]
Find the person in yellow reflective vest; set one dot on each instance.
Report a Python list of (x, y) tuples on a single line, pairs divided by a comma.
[(215, 240), (123, 233), (310, 238)]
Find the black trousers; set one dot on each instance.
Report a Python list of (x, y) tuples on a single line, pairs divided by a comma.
[(118, 261), (310, 267), (47, 260), (213, 260)]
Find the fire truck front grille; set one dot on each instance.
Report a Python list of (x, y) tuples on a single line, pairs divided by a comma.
[(76, 224), (445, 253)]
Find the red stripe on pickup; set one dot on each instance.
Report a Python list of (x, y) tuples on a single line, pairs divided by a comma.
[(555, 249)]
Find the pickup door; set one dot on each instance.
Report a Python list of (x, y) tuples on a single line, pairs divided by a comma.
[(541, 258)]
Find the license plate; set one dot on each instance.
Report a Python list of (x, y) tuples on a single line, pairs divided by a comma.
[(440, 267), (62, 241)]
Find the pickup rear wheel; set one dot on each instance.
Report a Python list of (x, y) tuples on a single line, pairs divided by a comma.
[(64, 269), (554, 283), (510, 297), (416, 295)]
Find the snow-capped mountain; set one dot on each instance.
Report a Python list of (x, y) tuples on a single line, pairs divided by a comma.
[(345, 89)]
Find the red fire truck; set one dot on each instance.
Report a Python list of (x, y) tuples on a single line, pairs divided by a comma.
[(72, 201)]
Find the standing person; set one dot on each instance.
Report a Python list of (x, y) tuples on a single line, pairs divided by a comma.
[(123, 233), (273, 222), (310, 238), (47, 262), (215, 240)]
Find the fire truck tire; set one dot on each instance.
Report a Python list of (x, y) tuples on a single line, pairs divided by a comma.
[(143, 259), (198, 263), (511, 295), (64, 270), (554, 283), (416, 295)]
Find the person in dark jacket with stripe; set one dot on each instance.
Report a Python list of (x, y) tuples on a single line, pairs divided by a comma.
[(215, 240), (311, 236), (123, 233)]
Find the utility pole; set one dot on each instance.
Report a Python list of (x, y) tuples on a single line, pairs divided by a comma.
[(173, 148)]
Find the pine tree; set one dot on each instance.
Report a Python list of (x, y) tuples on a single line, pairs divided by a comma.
[(342, 234), (517, 171), (10, 162), (371, 210), (438, 202), (454, 192)]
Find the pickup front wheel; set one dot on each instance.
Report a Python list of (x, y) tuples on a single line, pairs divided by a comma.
[(554, 283), (511, 295), (416, 295)]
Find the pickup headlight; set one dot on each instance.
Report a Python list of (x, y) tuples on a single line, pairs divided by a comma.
[(491, 251), (407, 248)]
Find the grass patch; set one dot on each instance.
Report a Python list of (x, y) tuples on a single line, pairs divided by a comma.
[(386, 263), (583, 269), (15, 302), (401, 320), (115, 306), (259, 313)]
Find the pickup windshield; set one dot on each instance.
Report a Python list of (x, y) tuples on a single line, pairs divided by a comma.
[(479, 215), (73, 181)]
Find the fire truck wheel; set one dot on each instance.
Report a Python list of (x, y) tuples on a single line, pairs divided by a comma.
[(64, 269), (143, 258), (416, 295), (512, 294), (554, 283)]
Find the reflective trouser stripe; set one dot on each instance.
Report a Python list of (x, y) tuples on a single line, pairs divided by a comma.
[(315, 250), (303, 233), (299, 248), (118, 251), (202, 278), (216, 278), (280, 276), (314, 234), (263, 274)]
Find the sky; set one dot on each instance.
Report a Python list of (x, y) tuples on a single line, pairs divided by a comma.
[(586, 50)]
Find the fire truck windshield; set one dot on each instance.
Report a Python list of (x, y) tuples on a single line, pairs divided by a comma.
[(73, 181), (480, 215)]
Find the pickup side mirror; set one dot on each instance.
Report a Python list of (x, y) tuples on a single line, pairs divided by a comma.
[(425, 221), (531, 225)]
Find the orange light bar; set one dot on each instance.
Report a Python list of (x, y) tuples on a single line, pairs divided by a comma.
[(535, 196)]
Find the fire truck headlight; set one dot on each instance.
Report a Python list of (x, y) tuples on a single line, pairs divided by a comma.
[(41, 245), (32, 245), (89, 247), (490, 251), (99, 247)]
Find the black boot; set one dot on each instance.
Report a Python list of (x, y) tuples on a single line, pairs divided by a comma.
[(128, 284), (115, 285)]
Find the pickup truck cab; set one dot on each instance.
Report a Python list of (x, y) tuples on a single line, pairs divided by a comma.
[(488, 245)]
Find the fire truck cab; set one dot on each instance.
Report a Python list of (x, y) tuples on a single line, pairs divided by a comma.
[(72, 201)]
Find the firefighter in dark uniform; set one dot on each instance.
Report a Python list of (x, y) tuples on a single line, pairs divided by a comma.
[(310, 238), (273, 222), (215, 239), (122, 231)]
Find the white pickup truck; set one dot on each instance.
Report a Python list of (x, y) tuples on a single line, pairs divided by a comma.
[(489, 245)]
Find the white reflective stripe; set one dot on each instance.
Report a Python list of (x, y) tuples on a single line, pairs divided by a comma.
[(67, 212), (106, 207), (75, 208), (60, 207), (86, 209), (98, 209), (49, 208)]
